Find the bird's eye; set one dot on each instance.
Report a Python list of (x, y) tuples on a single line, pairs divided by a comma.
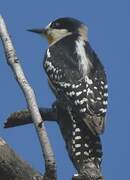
[(55, 25)]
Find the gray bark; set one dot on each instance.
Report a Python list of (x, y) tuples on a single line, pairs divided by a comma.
[(23, 117), (14, 63), (14, 168)]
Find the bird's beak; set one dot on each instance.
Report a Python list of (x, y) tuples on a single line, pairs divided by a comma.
[(44, 33), (38, 31)]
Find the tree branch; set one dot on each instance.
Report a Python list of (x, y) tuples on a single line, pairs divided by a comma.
[(13, 62), (12, 167), (23, 117)]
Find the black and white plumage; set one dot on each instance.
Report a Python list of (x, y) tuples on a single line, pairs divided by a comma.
[(82, 85), (78, 81), (84, 148)]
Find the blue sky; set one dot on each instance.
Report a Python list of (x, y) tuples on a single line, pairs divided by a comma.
[(109, 28)]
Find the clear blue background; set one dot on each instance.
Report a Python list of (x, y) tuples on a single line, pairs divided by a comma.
[(109, 35)]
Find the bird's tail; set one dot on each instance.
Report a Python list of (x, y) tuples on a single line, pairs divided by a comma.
[(84, 148)]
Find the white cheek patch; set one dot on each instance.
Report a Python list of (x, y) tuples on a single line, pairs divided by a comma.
[(58, 34)]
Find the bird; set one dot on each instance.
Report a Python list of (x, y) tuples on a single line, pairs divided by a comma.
[(79, 83)]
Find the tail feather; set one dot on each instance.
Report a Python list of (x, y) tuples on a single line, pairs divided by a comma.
[(84, 148)]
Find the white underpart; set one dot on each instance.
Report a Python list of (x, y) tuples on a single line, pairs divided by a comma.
[(85, 63)]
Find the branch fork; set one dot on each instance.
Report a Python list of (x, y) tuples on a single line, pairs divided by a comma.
[(14, 63)]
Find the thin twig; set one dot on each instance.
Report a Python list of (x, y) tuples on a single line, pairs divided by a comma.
[(14, 63)]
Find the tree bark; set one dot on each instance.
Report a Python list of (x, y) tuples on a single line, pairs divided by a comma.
[(13, 61), (14, 168), (23, 117)]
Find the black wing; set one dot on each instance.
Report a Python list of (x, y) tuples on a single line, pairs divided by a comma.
[(87, 94)]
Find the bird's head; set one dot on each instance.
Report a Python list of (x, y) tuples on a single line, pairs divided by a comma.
[(61, 28)]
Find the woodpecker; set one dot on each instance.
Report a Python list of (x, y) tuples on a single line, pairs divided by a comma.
[(78, 80)]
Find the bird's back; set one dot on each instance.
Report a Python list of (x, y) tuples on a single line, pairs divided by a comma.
[(83, 88)]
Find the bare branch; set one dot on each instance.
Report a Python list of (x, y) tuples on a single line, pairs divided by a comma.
[(23, 117), (13, 61), (12, 167)]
